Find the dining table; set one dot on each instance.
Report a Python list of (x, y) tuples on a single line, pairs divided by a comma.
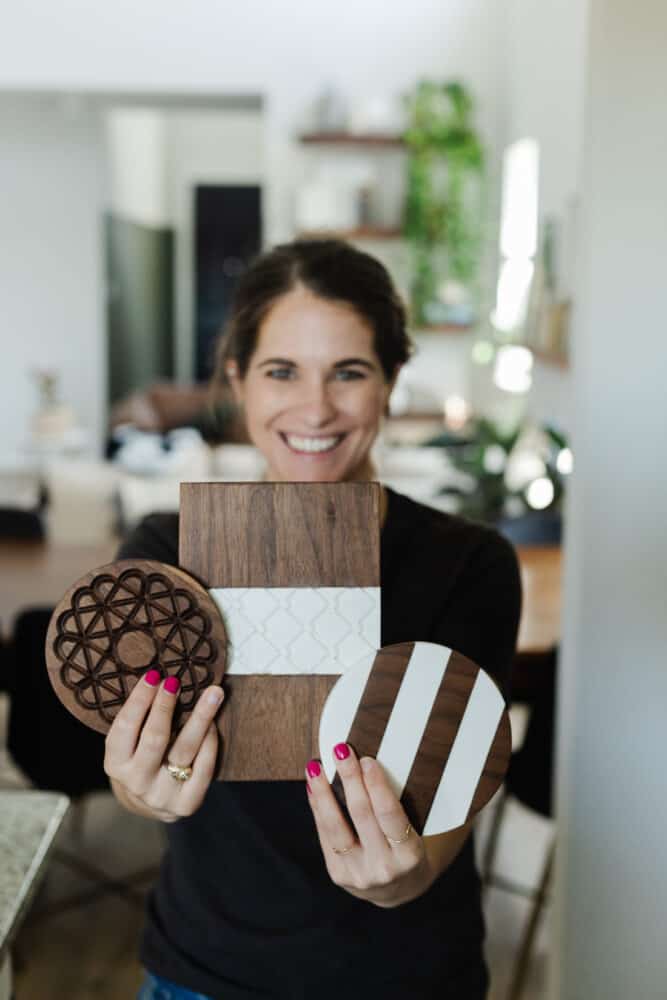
[(38, 574)]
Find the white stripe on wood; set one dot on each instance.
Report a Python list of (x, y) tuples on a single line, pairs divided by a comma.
[(467, 758), (339, 711), (410, 714)]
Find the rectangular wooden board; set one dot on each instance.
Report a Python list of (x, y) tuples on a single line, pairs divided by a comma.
[(277, 535)]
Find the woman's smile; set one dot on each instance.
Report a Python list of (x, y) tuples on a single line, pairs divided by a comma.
[(313, 446)]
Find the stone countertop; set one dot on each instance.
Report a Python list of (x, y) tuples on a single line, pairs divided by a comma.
[(29, 821)]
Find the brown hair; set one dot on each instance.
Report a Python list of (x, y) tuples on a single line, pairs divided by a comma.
[(331, 269)]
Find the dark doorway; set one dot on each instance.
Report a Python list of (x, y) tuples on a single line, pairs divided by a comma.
[(227, 236), (139, 272)]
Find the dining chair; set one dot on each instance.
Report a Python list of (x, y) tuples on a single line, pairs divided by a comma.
[(56, 752), (17, 524), (529, 781)]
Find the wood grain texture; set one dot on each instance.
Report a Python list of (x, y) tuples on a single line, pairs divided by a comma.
[(269, 725), (122, 619), (495, 767), (281, 534), (277, 535), (377, 702)]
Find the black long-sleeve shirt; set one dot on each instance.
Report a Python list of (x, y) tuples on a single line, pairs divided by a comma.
[(244, 907)]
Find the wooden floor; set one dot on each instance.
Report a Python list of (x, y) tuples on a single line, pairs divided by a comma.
[(89, 952)]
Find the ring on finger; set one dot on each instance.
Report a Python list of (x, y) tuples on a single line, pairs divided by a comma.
[(401, 840), (343, 850), (178, 772)]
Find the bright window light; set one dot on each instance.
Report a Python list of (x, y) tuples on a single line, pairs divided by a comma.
[(518, 235), (540, 493), (513, 371), (518, 221), (565, 461), (512, 294)]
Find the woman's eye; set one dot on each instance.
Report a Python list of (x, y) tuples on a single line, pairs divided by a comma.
[(348, 374), (280, 373)]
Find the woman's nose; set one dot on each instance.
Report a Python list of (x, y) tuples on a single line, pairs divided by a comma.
[(317, 407)]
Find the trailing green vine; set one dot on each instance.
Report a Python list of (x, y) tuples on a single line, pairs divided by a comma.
[(442, 227)]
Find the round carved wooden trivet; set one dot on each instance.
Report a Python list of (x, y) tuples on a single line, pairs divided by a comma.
[(436, 722), (123, 619)]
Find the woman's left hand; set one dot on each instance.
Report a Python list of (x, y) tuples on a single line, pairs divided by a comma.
[(383, 859)]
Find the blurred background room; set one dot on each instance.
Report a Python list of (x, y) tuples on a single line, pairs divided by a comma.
[(506, 161)]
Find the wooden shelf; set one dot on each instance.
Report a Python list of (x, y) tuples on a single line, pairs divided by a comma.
[(359, 233), (352, 139), (443, 328)]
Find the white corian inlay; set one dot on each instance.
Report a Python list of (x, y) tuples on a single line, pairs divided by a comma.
[(299, 630)]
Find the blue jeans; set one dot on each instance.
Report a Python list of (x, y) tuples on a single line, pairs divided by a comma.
[(155, 988)]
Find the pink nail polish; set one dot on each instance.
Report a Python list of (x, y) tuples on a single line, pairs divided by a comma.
[(172, 684), (313, 768), (152, 677), (342, 751)]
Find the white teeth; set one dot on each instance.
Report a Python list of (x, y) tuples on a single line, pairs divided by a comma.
[(312, 444)]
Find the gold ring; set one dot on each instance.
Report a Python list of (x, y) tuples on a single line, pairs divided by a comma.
[(177, 772), (401, 840), (343, 850)]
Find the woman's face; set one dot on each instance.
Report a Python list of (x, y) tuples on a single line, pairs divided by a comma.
[(314, 392)]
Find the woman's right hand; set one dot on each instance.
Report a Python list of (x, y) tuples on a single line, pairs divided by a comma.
[(137, 744)]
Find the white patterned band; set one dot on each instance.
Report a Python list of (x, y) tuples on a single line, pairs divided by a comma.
[(299, 630)]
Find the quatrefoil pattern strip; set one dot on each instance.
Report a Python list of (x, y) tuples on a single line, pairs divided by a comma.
[(299, 630), (118, 624)]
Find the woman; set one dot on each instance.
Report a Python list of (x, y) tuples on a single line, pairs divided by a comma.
[(266, 889)]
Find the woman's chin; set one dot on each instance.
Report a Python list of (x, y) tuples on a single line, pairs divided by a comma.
[(297, 470)]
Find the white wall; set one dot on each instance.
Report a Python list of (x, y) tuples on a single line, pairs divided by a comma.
[(545, 80), (204, 147), (612, 801), (51, 261), (286, 52), (136, 150)]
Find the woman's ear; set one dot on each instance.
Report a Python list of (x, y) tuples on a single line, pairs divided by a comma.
[(234, 378), (390, 388)]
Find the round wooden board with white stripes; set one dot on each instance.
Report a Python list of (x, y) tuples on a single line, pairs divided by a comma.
[(436, 722)]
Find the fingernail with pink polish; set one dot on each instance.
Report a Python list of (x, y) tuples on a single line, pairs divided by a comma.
[(172, 684), (342, 751), (313, 768), (152, 677), (215, 696)]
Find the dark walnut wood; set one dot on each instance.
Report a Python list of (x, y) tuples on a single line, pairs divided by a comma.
[(449, 707), (269, 725), (281, 534), (123, 619), (277, 535)]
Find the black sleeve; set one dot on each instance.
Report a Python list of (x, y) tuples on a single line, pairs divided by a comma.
[(481, 616), (156, 537)]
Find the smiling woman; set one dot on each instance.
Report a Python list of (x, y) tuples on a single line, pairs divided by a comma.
[(315, 341), (268, 889)]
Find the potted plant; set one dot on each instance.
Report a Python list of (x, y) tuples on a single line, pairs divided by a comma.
[(443, 205), (514, 479)]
